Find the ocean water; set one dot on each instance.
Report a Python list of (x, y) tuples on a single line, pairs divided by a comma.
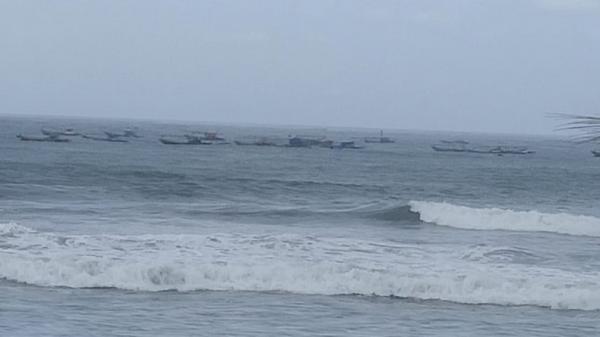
[(145, 239)]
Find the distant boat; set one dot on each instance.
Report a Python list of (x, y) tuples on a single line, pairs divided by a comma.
[(510, 150), (54, 139), (210, 136), (255, 141), (381, 139), (442, 148), (346, 145), (127, 133), (451, 146), (463, 146), (130, 133), (462, 142), (105, 139), (183, 140), (309, 141), (596, 153), (186, 142), (66, 132)]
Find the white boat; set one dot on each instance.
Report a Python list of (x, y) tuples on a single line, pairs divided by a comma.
[(127, 133)]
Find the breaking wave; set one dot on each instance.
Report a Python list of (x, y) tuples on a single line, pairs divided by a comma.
[(292, 263), (445, 214)]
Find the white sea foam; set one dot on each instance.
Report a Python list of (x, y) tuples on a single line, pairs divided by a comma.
[(289, 263), (446, 214), (12, 228)]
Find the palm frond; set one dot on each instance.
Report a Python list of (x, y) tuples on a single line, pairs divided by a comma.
[(587, 126)]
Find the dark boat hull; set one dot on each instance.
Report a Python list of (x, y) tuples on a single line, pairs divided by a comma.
[(43, 139), (443, 149), (101, 139), (494, 150), (242, 143), (175, 142), (66, 133), (379, 140)]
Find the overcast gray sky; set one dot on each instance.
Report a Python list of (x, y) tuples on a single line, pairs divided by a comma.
[(490, 66)]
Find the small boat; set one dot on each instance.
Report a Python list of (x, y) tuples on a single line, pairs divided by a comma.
[(346, 145), (66, 132), (127, 133), (257, 141), (500, 150), (176, 142), (212, 136), (131, 133), (460, 141), (309, 141), (463, 146), (53, 139), (327, 143), (510, 150), (105, 139), (440, 148), (251, 143), (188, 140), (451, 146), (301, 142), (596, 153), (381, 139), (206, 136)]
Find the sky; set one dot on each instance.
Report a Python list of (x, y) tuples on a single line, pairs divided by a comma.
[(461, 65)]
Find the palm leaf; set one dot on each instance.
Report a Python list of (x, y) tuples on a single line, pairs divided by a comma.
[(587, 126)]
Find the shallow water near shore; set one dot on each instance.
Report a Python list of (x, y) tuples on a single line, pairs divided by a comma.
[(141, 238)]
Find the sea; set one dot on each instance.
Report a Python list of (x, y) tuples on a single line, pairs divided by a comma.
[(146, 239)]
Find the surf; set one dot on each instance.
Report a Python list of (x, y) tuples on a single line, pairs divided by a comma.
[(463, 217), (291, 263)]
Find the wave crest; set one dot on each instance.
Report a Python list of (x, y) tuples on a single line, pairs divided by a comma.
[(11, 228), (293, 263), (446, 214)]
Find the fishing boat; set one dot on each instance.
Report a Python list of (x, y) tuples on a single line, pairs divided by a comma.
[(131, 133), (510, 150), (346, 145), (451, 146), (66, 132), (167, 141), (309, 141), (209, 136), (381, 139), (183, 140), (463, 146), (458, 141), (212, 136), (54, 139), (255, 141), (105, 139), (127, 133), (440, 148)]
